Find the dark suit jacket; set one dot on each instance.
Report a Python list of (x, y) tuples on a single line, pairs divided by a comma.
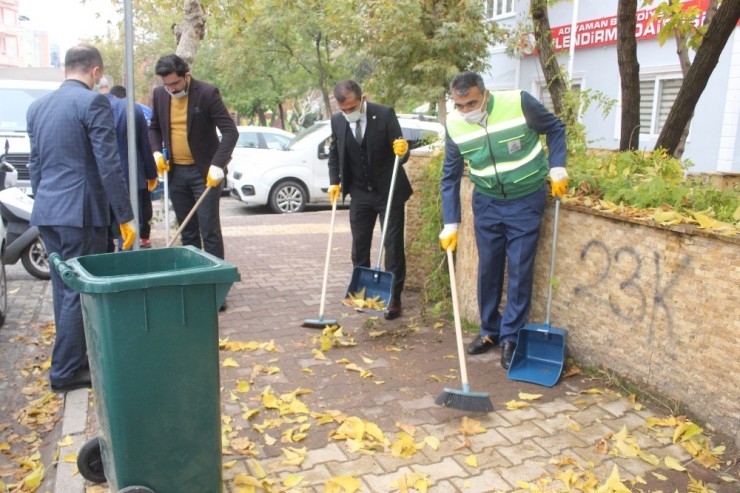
[(74, 166), (146, 168), (381, 130), (206, 112)]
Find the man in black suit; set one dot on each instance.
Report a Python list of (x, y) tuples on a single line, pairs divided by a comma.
[(365, 138), (185, 115)]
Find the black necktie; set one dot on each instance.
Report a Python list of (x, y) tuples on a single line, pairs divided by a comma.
[(358, 132)]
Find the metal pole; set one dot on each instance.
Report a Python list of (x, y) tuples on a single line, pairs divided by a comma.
[(131, 116), (572, 47)]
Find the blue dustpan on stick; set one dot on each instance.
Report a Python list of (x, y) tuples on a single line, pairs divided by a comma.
[(376, 282), (540, 351)]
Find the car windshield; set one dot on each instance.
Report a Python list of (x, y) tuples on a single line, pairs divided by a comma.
[(301, 141), (13, 106)]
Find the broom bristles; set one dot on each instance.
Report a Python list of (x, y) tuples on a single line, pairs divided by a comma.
[(477, 402)]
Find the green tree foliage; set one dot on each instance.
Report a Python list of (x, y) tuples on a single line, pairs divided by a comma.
[(413, 48)]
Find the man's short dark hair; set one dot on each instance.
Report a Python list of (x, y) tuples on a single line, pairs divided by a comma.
[(82, 58), (171, 63), (462, 82), (346, 87), (118, 92)]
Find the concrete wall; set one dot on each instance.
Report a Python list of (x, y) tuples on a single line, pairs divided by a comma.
[(660, 306)]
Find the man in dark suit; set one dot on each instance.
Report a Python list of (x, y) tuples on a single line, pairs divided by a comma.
[(365, 138), (146, 169), (185, 115), (76, 181)]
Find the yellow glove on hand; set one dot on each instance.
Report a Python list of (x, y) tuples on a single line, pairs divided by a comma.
[(128, 234), (400, 147), (334, 192), (558, 181), (162, 165), (151, 184), (448, 237), (215, 175)]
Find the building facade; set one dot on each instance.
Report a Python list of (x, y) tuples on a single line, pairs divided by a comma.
[(712, 144)]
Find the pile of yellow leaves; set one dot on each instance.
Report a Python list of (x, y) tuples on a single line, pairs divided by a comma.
[(359, 302)]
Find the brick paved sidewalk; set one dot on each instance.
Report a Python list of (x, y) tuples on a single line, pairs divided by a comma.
[(387, 374)]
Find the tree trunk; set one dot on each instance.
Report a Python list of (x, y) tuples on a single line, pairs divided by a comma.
[(718, 32), (546, 55), (629, 73), (685, 63), (322, 77), (190, 32), (442, 109)]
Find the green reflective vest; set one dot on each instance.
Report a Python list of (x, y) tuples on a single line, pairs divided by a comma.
[(506, 157)]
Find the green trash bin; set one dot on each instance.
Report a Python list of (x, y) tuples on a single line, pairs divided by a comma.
[(151, 324)]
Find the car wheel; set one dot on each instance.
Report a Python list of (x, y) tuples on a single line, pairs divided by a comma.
[(36, 261), (288, 197)]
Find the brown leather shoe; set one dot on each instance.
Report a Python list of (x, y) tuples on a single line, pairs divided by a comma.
[(393, 312), (481, 344)]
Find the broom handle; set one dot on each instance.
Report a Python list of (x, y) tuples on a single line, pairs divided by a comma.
[(326, 263), (166, 208), (552, 260), (458, 325), (387, 211), (189, 216)]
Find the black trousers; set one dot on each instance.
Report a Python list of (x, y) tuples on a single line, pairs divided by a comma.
[(204, 229), (364, 209)]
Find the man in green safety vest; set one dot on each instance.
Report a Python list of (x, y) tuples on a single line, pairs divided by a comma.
[(499, 134)]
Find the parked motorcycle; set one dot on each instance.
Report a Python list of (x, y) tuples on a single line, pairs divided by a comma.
[(22, 241)]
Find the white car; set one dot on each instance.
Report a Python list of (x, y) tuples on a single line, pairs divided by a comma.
[(288, 179)]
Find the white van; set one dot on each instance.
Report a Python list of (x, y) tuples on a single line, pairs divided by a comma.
[(288, 179), (15, 98)]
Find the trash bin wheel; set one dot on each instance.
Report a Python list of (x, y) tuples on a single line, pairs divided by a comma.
[(136, 489), (90, 461)]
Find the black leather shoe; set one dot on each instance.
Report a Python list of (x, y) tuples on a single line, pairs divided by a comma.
[(81, 379), (481, 344), (393, 312), (507, 352)]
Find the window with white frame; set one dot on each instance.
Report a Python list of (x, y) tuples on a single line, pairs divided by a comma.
[(656, 99), (543, 94), (498, 8)]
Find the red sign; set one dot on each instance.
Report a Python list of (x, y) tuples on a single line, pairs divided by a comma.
[(603, 31)]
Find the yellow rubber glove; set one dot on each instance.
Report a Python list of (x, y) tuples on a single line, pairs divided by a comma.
[(400, 147), (558, 181), (215, 175), (162, 165), (334, 192), (151, 184), (448, 237), (128, 234)]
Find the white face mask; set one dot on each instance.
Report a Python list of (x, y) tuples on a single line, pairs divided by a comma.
[(354, 116), (476, 116), (181, 93)]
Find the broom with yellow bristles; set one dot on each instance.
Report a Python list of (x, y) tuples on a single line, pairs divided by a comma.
[(464, 399)]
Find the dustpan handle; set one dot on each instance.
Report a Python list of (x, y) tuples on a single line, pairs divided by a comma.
[(387, 212), (552, 259)]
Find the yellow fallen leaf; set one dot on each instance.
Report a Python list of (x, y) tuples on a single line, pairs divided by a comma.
[(471, 460), (432, 442), (229, 465), (230, 362), (672, 463), (659, 476), (367, 360), (33, 479), (64, 443), (342, 484), (529, 397), (318, 355), (4, 446), (514, 405), (70, 458), (242, 386), (614, 484), (292, 480), (269, 440)]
